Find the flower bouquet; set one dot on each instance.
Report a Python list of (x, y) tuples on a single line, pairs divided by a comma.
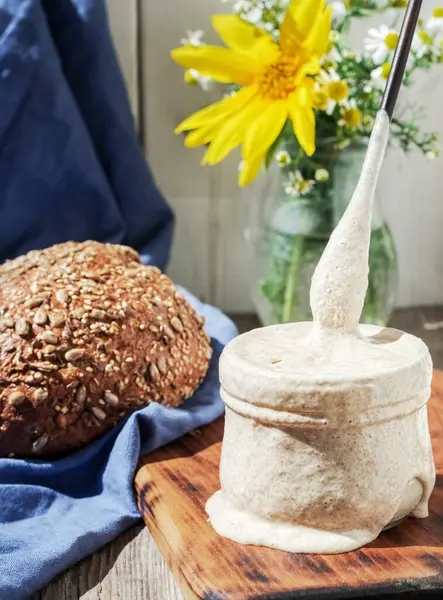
[(301, 100)]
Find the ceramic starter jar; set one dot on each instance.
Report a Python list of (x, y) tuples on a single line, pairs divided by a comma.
[(322, 460)]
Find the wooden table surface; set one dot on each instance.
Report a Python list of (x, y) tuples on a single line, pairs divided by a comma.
[(131, 567)]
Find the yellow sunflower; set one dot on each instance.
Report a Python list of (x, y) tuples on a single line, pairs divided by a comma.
[(276, 84)]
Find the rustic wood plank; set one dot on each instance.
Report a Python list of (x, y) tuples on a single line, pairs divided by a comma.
[(190, 264), (174, 483), (192, 190), (154, 581), (233, 259), (123, 20), (130, 568)]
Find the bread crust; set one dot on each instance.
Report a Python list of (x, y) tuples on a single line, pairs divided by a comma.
[(88, 334)]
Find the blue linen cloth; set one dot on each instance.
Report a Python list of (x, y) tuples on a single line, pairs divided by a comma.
[(71, 169), (70, 163)]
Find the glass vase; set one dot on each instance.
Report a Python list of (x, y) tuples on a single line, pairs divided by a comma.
[(290, 234)]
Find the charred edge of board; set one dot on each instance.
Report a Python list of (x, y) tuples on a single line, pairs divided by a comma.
[(249, 568), (145, 505), (212, 595), (403, 589)]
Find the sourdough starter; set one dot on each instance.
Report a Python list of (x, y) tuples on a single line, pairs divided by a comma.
[(326, 437)]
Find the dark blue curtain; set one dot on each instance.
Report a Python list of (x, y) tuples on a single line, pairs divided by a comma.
[(71, 166)]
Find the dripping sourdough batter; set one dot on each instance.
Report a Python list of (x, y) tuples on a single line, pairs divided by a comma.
[(326, 439)]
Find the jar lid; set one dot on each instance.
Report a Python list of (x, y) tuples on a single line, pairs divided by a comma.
[(293, 375)]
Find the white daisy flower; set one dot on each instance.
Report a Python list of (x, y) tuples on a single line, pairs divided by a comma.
[(379, 76), (242, 6), (367, 122), (228, 94), (321, 175), (296, 185), (348, 104), (253, 16), (431, 155), (338, 10), (351, 55), (342, 144), (435, 23), (193, 77), (421, 43), (206, 83), (333, 56), (283, 158), (335, 88), (380, 43), (194, 37), (350, 114)]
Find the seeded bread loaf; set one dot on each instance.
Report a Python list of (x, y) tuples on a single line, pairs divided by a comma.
[(88, 334)]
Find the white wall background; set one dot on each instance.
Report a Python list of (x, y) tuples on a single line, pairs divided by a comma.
[(210, 255)]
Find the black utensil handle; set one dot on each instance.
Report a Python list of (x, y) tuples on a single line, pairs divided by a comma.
[(400, 57)]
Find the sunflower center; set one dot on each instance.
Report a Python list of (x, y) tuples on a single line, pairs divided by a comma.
[(437, 13), (338, 90), (391, 41), (278, 80)]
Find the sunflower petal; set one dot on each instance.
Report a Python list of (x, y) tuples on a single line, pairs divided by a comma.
[(201, 136), (250, 169), (306, 13), (304, 94), (311, 67), (245, 38), (318, 40), (232, 133), (265, 129), (217, 111), (303, 17), (304, 128), (291, 36), (303, 120), (223, 65), (236, 33)]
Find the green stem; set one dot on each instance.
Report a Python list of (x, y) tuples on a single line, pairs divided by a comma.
[(289, 302)]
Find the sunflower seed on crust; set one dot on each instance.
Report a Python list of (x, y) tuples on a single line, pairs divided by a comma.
[(57, 318), (22, 327), (177, 324), (16, 398), (40, 443), (40, 395), (50, 337), (110, 398), (80, 394), (41, 317), (74, 354), (99, 413)]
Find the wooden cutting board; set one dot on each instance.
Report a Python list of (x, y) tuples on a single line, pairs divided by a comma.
[(174, 483)]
